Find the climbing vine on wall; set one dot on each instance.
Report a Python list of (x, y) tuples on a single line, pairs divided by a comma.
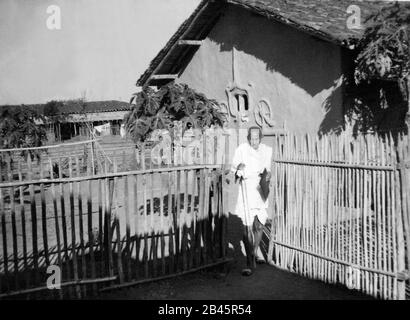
[(377, 93), (384, 51)]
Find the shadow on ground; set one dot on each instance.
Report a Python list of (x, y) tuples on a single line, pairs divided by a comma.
[(267, 283), (226, 283)]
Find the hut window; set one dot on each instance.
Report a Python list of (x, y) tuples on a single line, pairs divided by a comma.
[(242, 102)]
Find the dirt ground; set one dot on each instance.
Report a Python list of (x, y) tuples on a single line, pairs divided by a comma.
[(267, 283), (227, 283)]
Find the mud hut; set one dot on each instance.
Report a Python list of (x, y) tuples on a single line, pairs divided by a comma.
[(282, 65)]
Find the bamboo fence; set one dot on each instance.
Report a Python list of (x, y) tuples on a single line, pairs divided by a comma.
[(341, 211), (47, 160), (106, 228)]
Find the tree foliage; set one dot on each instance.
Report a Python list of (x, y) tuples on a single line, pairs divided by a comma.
[(20, 127), (52, 111), (380, 85), (384, 51), (158, 109)]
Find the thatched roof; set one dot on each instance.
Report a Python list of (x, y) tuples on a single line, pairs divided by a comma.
[(71, 107), (76, 107), (325, 19)]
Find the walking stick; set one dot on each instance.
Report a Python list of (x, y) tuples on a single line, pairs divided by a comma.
[(244, 199), (247, 216)]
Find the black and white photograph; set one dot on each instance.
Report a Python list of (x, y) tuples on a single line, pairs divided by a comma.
[(217, 152)]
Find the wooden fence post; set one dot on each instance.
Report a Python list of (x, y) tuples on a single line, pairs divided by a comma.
[(57, 228), (406, 192), (401, 190), (116, 223), (33, 211), (223, 199), (108, 188), (4, 235), (92, 157), (81, 223), (23, 224)]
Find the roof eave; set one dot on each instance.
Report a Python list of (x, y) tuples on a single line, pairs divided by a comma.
[(277, 17), (145, 78)]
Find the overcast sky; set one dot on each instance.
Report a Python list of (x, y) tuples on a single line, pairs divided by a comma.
[(101, 49)]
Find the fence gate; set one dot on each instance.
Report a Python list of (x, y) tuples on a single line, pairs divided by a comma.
[(341, 211)]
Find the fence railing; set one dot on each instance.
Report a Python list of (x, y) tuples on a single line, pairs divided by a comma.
[(341, 211), (50, 161), (182, 148)]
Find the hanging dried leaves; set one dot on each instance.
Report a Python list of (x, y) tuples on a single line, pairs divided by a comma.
[(384, 49)]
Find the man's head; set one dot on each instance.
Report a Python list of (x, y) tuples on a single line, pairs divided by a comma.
[(255, 136)]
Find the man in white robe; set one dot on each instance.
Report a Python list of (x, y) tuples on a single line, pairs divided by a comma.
[(249, 161)]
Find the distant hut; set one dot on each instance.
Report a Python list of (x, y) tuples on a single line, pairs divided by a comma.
[(72, 118)]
